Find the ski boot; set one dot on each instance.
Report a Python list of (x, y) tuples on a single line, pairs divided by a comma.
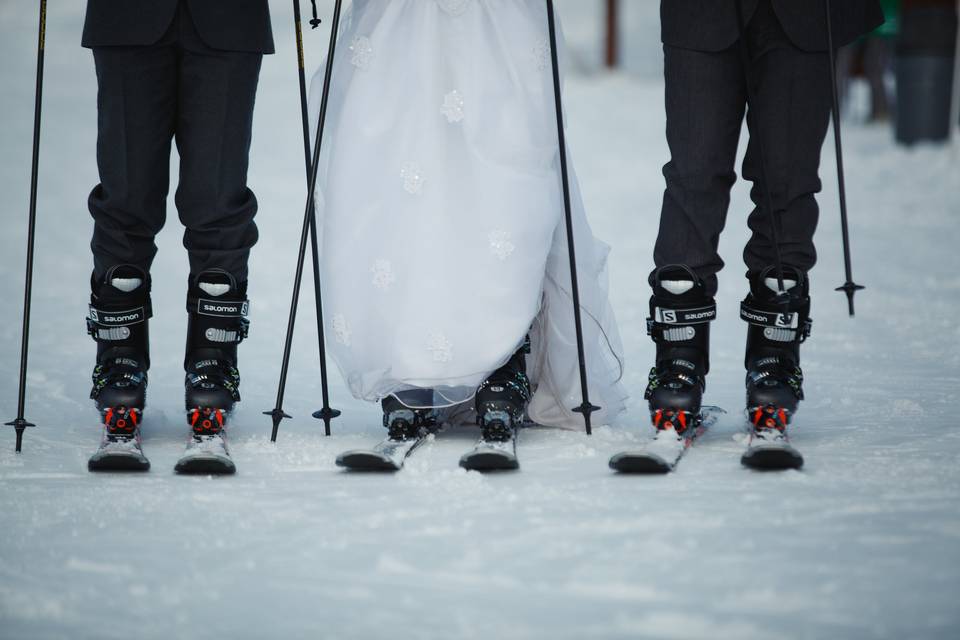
[(501, 406), (217, 308), (408, 416), (407, 429), (117, 321), (679, 324), (501, 401), (778, 323)]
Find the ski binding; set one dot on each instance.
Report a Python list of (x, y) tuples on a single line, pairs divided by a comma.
[(769, 448), (120, 446), (206, 452), (663, 453)]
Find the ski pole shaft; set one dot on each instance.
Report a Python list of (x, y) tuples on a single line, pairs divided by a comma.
[(19, 423), (585, 407), (326, 413), (849, 287), (277, 413)]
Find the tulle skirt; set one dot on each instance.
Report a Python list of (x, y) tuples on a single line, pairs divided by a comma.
[(439, 198)]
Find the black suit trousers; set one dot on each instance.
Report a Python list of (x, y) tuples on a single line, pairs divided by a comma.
[(706, 101), (177, 89)]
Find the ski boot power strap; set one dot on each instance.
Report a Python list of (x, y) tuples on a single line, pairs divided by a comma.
[(777, 324), (116, 327), (218, 313), (118, 314)]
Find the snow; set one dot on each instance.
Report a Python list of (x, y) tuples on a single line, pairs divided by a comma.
[(863, 543)]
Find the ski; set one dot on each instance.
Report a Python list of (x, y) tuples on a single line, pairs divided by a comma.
[(499, 454), (768, 446), (206, 455), (387, 455), (120, 445), (206, 452), (663, 453)]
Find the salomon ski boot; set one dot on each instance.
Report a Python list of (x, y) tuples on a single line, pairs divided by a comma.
[(410, 416), (779, 323), (217, 309), (119, 311), (679, 324)]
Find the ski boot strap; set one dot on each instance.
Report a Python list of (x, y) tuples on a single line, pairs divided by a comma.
[(778, 326), (217, 373), (775, 370), (682, 339), (674, 324), (110, 326), (226, 319), (121, 371), (678, 372)]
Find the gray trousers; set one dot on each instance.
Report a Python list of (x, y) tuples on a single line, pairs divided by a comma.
[(705, 104)]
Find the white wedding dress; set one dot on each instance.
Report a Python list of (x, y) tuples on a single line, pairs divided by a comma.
[(441, 212)]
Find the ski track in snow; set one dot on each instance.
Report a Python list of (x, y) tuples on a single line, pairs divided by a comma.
[(863, 543)]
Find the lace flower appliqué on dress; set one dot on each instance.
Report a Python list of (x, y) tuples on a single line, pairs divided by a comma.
[(454, 7), (383, 275), (440, 347), (452, 106), (341, 330), (412, 177), (500, 243), (361, 52)]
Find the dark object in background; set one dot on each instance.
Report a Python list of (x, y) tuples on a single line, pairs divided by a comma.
[(924, 70)]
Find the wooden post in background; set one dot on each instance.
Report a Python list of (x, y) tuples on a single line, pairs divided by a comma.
[(612, 53)]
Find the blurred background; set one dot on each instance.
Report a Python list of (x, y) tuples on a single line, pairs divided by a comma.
[(903, 76), (864, 543)]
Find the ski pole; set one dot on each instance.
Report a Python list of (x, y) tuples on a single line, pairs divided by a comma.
[(326, 413), (585, 407), (848, 287), (19, 423), (277, 413), (752, 118)]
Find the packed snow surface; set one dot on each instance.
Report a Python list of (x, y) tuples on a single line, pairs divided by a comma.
[(863, 543)]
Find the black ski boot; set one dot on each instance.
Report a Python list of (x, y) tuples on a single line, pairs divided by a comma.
[(402, 417), (501, 401), (679, 323), (217, 309), (779, 323), (501, 406), (407, 429), (119, 310), (117, 321)]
